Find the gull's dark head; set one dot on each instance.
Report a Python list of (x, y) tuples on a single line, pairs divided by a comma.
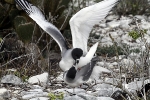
[(76, 53), (71, 73)]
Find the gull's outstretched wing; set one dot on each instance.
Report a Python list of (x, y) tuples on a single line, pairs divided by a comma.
[(39, 18), (83, 21)]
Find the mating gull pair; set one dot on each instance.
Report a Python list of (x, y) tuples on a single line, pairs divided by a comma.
[(77, 63)]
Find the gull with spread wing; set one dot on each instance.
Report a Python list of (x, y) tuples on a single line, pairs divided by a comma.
[(81, 25)]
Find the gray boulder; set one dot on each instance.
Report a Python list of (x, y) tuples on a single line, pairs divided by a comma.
[(11, 79)]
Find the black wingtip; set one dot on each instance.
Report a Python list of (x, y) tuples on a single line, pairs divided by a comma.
[(24, 5)]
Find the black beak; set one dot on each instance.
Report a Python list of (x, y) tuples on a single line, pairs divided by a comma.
[(76, 61)]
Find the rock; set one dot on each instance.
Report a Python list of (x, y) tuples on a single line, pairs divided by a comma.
[(126, 37), (105, 92), (67, 91), (112, 80), (102, 86), (114, 63), (119, 95), (13, 99), (97, 71), (113, 24), (4, 94), (114, 34), (133, 86), (60, 77), (111, 17), (33, 94), (37, 87), (140, 17), (90, 97), (124, 23), (127, 63), (101, 63), (87, 97), (144, 24), (124, 26), (104, 98), (11, 79), (75, 97), (41, 79), (103, 25), (40, 98), (106, 39), (148, 32)]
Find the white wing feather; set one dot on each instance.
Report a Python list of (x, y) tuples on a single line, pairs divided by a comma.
[(83, 21), (85, 60)]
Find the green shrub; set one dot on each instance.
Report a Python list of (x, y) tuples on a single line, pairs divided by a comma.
[(135, 34), (110, 51), (113, 50), (54, 96)]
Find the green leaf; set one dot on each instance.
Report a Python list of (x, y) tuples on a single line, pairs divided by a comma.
[(25, 32)]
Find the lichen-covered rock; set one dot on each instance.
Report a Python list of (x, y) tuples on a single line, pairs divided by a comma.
[(41, 79), (11, 79)]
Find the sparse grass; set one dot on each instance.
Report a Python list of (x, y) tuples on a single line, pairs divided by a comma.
[(135, 34), (56, 96), (15, 55)]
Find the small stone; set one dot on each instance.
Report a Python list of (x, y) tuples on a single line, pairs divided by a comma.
[(14, 98), (75, 97), (34, 94), (87, 97), (113, 24), (41, 79), (104, 98), (11, 79), (40, 98), (4, 94), (119, 95)]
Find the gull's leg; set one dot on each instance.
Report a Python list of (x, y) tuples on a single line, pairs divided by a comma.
[(95, 81), (73, 90)]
